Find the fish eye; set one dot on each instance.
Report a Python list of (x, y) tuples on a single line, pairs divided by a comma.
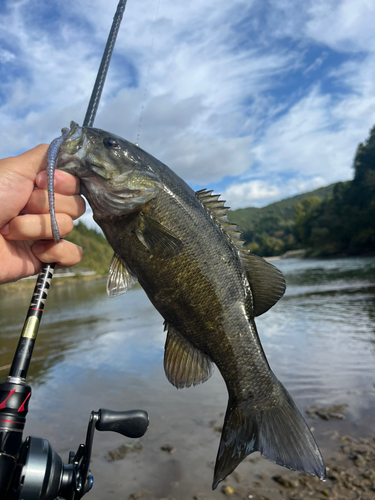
[(110, 142)]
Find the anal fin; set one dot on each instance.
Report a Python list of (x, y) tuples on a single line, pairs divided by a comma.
[(184, 364)]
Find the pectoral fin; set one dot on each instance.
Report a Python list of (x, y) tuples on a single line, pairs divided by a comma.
[(184, 364), (156, 237), (120, 279)]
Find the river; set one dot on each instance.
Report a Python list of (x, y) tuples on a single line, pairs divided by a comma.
[(94, 352)]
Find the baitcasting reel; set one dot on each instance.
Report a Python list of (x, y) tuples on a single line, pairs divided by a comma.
[(40, 473)]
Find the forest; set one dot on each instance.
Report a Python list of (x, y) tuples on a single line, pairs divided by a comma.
[(332, 221)]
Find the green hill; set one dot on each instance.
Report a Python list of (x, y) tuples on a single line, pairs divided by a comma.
[(270, 230), (97, 253)]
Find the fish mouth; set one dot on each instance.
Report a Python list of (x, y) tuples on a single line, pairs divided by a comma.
[(74, 154), (75, 157), (73, 150)]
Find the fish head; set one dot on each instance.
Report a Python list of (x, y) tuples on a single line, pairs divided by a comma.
[(113, 177)]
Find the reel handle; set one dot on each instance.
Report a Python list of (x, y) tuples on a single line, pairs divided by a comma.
[(132, 424)]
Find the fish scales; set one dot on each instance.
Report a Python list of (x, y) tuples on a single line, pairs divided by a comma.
[(186, 256), (199, 291)]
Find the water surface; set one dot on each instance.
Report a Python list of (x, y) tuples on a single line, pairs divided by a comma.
[(95, 352)]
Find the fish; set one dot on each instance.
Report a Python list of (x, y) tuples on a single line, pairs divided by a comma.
[(192, 264)]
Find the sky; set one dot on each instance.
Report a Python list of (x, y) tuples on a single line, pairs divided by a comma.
[(257, 99)]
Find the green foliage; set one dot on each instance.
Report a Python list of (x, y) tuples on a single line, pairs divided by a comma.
[(270, 230), (97, 253), (303, 211), (345, 222)]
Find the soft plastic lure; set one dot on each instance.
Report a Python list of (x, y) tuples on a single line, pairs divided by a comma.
[(52, 153)]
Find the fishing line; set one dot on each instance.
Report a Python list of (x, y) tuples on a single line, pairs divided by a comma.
[(147, 74)]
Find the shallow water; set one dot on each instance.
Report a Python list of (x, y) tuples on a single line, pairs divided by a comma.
[(95, 352)]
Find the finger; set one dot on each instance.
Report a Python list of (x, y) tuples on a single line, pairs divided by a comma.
[(74, 206), (64, 183), (35, 227), (27, 164), (17, 176), (65, 253)]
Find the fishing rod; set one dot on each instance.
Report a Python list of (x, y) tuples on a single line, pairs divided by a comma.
[(31, 470)]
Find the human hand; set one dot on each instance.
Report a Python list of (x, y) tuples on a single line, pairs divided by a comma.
[(25, 229)]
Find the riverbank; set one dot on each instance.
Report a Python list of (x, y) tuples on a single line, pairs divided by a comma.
[(350, 476), (26, 286), (349, 459)]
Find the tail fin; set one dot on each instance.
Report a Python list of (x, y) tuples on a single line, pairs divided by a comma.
[(280, 434)]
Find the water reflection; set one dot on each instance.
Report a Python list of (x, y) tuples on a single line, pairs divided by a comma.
[(320, 336), (94, 351)]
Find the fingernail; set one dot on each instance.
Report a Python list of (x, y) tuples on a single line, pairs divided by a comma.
[(39, 247), (5, 229)]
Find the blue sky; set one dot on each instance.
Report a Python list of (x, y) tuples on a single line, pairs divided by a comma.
[(258, 99)]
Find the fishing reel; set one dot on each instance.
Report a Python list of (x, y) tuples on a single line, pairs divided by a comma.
[(40, 473)]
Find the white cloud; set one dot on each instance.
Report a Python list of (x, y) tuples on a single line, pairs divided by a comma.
[(316, 137), (215, 82), (345, 25), (241, 195), (6, 56), (296, 186)]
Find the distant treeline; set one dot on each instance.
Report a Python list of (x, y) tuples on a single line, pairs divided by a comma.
[(336, 220), (97, 253)]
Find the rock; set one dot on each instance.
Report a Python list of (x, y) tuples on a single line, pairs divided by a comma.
[(286, 481), (121, 452), (200, 496), (328, 412), (137, 494), (236, 476), (227, 490), (168, 448)]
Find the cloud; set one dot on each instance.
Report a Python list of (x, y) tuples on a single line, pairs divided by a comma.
[(241, 195), (296, 186), (316, 64), (6, 56), (271, 95), (316, 137), (344, 26)]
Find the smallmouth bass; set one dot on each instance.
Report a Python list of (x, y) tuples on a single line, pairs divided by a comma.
[(191, 263)]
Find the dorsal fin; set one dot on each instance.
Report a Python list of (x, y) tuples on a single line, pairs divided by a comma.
[(218, 212), (266, 282)]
